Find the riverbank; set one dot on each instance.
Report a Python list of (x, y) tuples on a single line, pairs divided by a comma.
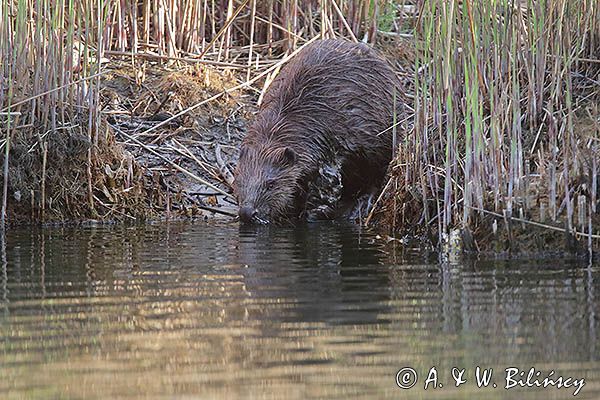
[(498, 151), (504, 151), (145, 163)]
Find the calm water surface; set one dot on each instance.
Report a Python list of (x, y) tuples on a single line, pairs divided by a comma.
[(190, 311)]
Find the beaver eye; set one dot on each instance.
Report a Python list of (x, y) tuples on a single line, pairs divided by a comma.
[(270, 184)]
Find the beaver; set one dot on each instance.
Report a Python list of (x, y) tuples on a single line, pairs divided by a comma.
[(321, 137)]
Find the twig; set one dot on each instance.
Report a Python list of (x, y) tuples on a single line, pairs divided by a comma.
[(587, 60), (6, 155), (171, 58), (281, 28), (177, 167), (184, 151), (18, 103), (538, 224), (341, 15), (216, 210), (252, 23), (387, 185), (394, 125), (225, 173), (224, 28), (113, 209), (396, 34)]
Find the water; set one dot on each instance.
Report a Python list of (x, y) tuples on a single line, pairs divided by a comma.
[(192, 311)]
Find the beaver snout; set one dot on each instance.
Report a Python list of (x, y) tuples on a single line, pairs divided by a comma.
[(247, 214)]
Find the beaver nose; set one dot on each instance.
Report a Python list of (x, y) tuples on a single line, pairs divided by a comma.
[(247, 214)]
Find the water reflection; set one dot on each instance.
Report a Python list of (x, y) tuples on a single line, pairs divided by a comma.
[(322, 310)]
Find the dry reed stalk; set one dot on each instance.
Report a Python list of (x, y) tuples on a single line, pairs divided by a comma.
[(494, 79), (189, 60), (252, 25), (343, 19), (174, 165), (227, 33), (225, 28), (6, 161)]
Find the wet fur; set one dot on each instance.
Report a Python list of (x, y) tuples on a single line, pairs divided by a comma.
[(325, 109)]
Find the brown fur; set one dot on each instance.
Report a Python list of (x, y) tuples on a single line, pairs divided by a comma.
[(324, 110)]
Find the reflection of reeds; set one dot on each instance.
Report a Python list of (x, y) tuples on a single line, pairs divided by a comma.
[(498, 85)]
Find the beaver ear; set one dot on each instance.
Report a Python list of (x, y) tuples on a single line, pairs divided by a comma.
[(289, 156)]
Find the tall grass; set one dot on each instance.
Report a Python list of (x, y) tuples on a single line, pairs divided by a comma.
[(50, 52), (501, 90), (499, 85)]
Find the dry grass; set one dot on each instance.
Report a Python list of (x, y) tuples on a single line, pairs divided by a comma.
[(507, 123)]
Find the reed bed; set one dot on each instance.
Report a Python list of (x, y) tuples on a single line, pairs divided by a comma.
[(57, 146), (49, 103), (505, 96), (506, 126)]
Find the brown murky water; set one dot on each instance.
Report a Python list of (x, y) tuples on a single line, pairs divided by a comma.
[(190, 311)]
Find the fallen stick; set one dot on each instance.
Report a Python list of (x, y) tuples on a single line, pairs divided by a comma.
[(223, 170), (177, 167), (113, 208), (18, 103), (216, 210), (152, 56), (184, 151), (374, 207), (538, 224)]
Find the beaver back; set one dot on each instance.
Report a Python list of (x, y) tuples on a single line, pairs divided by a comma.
[(331, 106)]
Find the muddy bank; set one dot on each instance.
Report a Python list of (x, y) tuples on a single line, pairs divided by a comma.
[(191, 155), (143, 164), (166, 144)]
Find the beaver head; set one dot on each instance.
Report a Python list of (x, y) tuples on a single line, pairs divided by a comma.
[(267, 183)]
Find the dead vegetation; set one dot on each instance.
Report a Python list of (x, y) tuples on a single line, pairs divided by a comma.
[(505, 141), (128, 110)]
